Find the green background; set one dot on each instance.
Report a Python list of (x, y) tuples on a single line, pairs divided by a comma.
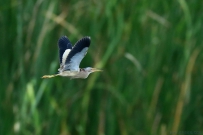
[(150, 53)]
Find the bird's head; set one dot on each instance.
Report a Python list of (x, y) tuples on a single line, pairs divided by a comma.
[(90, 69)]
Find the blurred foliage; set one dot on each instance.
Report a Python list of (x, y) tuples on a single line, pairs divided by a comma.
[(151, 54)]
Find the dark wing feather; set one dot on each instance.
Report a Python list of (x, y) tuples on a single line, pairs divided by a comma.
[(77, 54), (63, 44)]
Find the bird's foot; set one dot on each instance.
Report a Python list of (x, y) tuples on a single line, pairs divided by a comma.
[(48, 76)]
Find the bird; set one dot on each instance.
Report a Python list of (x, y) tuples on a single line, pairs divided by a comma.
[(70, 58)]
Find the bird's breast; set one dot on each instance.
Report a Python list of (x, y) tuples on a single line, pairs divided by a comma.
[(69, 73)]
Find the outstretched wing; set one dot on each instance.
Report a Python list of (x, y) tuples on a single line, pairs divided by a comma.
[(65, 47), (77, 54)]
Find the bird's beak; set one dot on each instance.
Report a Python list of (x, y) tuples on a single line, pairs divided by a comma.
[(95, 70)]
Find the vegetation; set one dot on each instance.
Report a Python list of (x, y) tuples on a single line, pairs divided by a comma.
[(151, 54)]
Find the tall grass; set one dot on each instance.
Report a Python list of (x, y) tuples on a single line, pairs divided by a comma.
[(151, 54)]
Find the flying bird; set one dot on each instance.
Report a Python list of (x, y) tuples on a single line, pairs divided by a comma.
[(70, 58)]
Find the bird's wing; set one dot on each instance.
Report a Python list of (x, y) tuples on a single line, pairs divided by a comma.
[(77, 54), (65, 47)]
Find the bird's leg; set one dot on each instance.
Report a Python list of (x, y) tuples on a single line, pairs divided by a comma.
[(50, 76)]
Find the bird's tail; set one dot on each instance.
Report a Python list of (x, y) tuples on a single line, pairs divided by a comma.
[(50, 76)]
